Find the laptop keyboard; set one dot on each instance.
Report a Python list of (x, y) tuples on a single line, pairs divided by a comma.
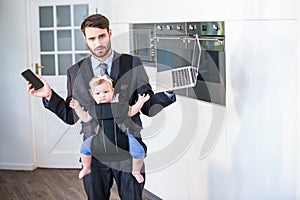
[(181, 77)]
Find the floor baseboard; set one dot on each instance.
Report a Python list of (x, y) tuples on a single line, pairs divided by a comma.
[(18, 166), (150, 196)]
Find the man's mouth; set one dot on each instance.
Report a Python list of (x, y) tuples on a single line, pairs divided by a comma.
[(100, 48)]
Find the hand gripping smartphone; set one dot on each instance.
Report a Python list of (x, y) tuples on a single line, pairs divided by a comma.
[(33, 79)]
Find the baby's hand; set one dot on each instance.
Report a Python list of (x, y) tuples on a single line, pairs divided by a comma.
[(144, 97), (74, 104)]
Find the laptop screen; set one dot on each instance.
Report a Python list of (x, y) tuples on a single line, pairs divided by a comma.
[(172, 54)]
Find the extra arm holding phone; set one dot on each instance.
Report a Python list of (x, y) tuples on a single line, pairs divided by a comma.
[(52, 100), (33, 79), (36, 85), (55, 103)]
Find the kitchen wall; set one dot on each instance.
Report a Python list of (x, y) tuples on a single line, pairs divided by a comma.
[(16, 143), (248, 149)]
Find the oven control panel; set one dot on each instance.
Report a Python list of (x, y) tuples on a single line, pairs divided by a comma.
[(177, 29), (212, 28), (205, 28)]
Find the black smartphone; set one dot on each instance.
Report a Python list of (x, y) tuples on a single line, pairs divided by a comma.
[(33, 79)]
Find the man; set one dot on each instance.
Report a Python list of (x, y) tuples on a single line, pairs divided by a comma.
[(97, 35)]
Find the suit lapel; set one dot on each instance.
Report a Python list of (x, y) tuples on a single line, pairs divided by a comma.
[(86, 69), (81, 83)]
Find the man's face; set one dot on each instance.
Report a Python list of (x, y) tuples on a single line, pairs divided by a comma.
[(98, 42)]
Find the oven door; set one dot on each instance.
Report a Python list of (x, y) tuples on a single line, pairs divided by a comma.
[(172, 52), (175, 51), (142, 44), (211, 72)]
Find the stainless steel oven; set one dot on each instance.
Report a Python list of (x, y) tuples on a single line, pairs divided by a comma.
[(211, 84), (170, 45), (142, 42)]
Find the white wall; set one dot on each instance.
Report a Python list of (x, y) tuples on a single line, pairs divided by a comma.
[(263, 90), (298, 92), (16, 143), (256, 153)]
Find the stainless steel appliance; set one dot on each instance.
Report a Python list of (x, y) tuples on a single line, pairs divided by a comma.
[(170, 45), (142, 41)]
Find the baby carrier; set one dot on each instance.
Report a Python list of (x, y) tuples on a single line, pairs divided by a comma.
[(111, 141)]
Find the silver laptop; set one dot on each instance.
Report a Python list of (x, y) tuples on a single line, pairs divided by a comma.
[(180, 77)]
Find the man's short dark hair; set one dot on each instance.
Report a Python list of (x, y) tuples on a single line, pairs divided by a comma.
[(96, 21)]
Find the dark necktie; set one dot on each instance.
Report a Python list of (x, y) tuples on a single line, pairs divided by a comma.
[(103, 68)]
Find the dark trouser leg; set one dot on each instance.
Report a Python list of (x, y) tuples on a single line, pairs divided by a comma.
[(97, 184), (128, 187)]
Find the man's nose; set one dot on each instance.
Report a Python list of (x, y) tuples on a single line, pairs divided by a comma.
[(98, 41)]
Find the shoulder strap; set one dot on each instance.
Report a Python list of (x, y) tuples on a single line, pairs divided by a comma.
[(124, 77), (125, 64)]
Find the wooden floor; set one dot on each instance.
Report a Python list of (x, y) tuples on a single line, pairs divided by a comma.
[(44, 184)]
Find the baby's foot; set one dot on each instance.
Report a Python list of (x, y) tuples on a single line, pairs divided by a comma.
[(138, 176), (83, 172)]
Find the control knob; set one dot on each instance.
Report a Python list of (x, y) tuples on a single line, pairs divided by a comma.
[(215, 27), (192, 28), (178, 27), (169, 27)]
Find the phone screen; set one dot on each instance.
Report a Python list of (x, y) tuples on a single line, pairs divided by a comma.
[(33, 79)]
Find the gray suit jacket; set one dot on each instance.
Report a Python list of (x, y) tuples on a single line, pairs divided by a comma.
[(134, 82)]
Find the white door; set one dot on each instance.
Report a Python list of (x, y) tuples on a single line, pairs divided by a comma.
[(57, 43)]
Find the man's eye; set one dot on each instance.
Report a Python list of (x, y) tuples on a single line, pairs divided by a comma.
[(102, 36)]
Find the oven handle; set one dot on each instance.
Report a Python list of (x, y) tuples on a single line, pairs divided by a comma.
[(135, 44), (218, 39)]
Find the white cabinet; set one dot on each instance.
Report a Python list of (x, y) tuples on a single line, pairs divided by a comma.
[(260, 9)]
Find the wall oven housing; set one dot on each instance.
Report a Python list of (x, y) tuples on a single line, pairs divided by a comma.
[(170, 45)]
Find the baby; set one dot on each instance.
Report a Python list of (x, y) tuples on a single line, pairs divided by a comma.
[(102, 91)]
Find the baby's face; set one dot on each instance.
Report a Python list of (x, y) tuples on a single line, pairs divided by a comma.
[(103, 93)]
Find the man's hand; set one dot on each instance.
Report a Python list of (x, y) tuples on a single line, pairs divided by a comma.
[(42, 92)]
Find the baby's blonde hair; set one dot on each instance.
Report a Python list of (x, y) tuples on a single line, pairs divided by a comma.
[(98, 80)]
